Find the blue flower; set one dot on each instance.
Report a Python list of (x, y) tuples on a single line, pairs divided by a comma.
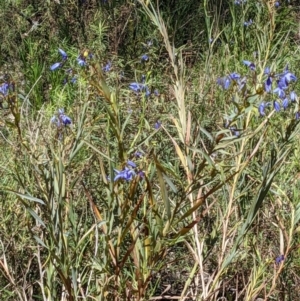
[(157, 125), (279, 259), (262, 108), (135, 87), (224, 82), (125, 174), (268, 84), (59, 64), (81, 62), (277, 4), (276, 106), (250, 22), (288, 76), (241, 83), (285, 103), (297, 116), (234, 76), (279, 92), (55, 66), (107, 67), (4, 88), (239, 2), (131, 163), (234, 131), (144, 58), (63, 54), (61, 119), (141, 174), (293, 96), (66, 120), (282, 84), (249, 64)]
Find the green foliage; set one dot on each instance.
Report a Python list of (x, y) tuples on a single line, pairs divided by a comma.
[(124, 192)]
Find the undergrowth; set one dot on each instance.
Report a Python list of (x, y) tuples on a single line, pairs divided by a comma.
[(147, 156)]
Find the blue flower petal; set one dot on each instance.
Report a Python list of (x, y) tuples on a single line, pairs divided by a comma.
[(4, 88), (135, 87), (63, 54), (276, 106), (144, 58), (131, 163), (285, 103), (293, 96), (81, 62), (55, 66)]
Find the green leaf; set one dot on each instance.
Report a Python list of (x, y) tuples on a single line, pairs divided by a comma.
[(170, 183), (35, 216), (27, 197), (40, 241)]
